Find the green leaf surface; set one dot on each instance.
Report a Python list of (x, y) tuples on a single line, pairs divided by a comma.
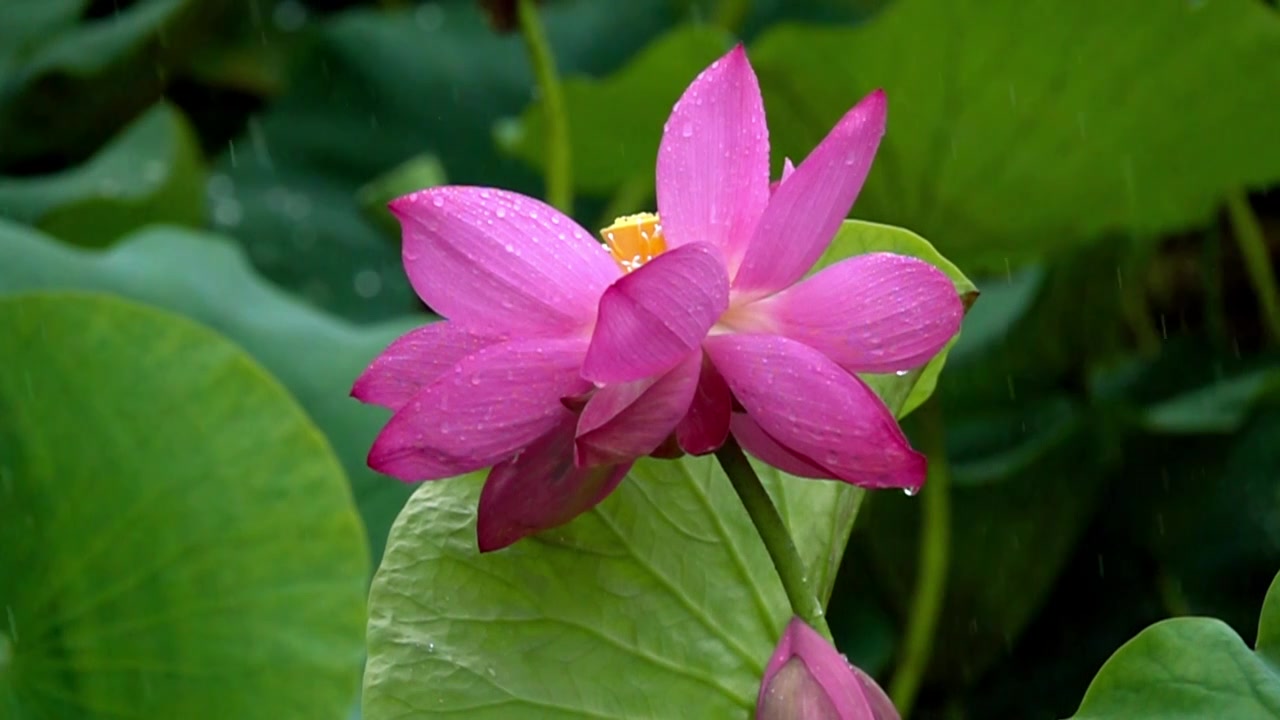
[(206, 278), (151, 173), (176, 537), (621, 115), (1016, 127), (597, 619), (68, 86), (1190, 668), (906, 392)]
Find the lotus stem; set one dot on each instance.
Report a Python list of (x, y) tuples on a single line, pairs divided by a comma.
[(773, 532), (559, 176)]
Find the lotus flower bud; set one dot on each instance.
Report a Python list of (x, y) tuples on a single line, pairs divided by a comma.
[(807, 679)]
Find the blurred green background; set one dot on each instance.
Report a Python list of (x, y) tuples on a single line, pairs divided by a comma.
[(1107, 429)]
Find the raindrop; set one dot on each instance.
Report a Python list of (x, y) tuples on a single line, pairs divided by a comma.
[(227, 213), (431, 647), (437, 201), (687, 130), (220, 186), (368, 283), (152, 171), (910, 492), (501, 213), (901, 373), (258, 139)]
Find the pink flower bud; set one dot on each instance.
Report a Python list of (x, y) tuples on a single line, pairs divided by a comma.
[(807, 679)]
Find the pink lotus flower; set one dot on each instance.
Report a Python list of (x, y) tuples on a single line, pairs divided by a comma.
[(562, 361), (807, 679)]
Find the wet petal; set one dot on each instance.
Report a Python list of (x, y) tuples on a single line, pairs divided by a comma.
[(877, 699), (414, 360), (878, 312), (806, 210), (498, 260), (490, 406), (816, 409), (766, 449), (713, 163), (808, 678), (629, 420), (652, 318), (706, 426), (541, 489)]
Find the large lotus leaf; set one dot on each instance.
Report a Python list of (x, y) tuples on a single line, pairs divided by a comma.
[(659, 603), (206, 277), (1017, 127), (151, 173), (176, 537)]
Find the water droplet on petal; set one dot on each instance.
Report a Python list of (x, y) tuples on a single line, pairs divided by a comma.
[(437, 201), (910, 492), (687, 130)]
